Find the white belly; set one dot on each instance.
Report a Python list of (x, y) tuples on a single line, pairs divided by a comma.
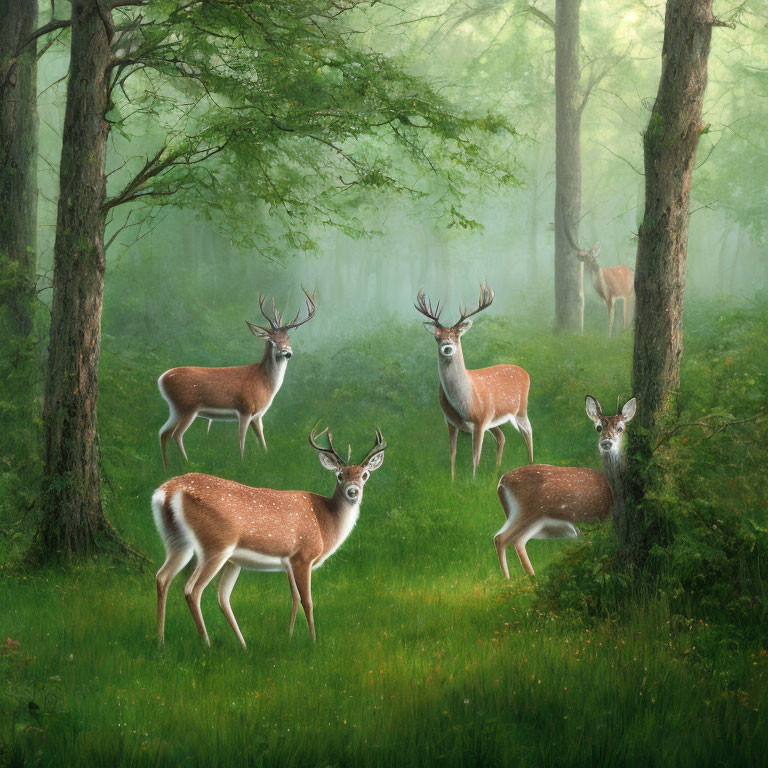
[(255, 561), (550, 528), (218, 414)]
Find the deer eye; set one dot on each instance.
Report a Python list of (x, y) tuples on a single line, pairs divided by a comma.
[(338, 476), (366, 475), (599, 427), (620, 428)]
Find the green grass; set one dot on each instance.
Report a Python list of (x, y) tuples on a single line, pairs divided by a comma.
[(425, 655)]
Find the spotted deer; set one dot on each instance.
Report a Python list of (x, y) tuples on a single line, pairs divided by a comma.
[(474, 401), (229, 526), (240, 393), (611, 284), (541, 501)]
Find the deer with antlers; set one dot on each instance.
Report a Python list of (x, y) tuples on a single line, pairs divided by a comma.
[(229, 526), (474, 401), (240, 393), (611, 284), (546, 502)]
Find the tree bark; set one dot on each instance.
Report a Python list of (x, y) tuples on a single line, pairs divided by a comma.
[(18, 164), (569, 283), (73, 520), (669, 143)]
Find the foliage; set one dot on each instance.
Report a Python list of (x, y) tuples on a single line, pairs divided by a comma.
[(20, 464), (268, 117), (711, 496)]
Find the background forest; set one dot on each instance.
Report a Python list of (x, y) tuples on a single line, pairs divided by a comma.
[(367, 150)]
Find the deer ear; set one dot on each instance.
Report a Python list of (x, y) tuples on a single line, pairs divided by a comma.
[(375, 461), (430, 326), (328, 461), (596, 248), (594, 409), (464, 326), (628, 411)]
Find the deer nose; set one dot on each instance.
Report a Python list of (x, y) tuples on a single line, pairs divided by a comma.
[(287, 354), (607, 444), (352, 491), (448, 350)]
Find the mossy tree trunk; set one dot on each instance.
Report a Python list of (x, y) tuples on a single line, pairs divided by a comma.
[(569, 289), (73, 520), (670, 143), (18, 164)]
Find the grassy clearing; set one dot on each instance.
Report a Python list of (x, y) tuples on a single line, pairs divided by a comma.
[(425, 655)]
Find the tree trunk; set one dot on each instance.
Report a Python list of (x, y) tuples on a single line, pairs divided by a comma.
[(669, 143), (569, 282), (18, 164), (533, 232), (73, 520)]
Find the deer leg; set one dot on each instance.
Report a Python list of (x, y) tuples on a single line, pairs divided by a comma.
[(229, 574), (294, 597), (165, 432), (523, 555), (610, 317), (208, 431), (175, 560), (478, 433), (243, 420), (505, 535), (453, 434), (501, 552), (581, 297), (626, 312), (524, 426), (182, 426), (258, 427), (199, 580), (302, 573), (500, 440)]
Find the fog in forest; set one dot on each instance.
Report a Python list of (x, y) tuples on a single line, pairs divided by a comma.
[(179, 266)]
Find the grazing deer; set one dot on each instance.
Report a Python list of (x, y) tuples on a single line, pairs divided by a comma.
[(479, 400), (240, 393), (611, 284), (229, 526), (546, 502)]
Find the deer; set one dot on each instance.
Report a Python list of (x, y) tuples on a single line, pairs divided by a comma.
[(611, 284), (542, 501), (240, 393), (229, 526), (474, 401)]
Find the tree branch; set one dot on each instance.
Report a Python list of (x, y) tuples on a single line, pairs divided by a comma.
[(51, 26), (539, 14)]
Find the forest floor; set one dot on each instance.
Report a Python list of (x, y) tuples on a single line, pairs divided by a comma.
[(425, 654)]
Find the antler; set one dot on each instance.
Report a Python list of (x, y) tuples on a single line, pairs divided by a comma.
[(310, 314), (378, 447), (580, 252), (331, 450), (274, 321), (426, 308), (571, 241), (486, 299)]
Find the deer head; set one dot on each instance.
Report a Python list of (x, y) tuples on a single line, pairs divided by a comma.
[(277, 334), (448, 338), (610, 428), (350, 477), (590, 257), (585, 256)]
